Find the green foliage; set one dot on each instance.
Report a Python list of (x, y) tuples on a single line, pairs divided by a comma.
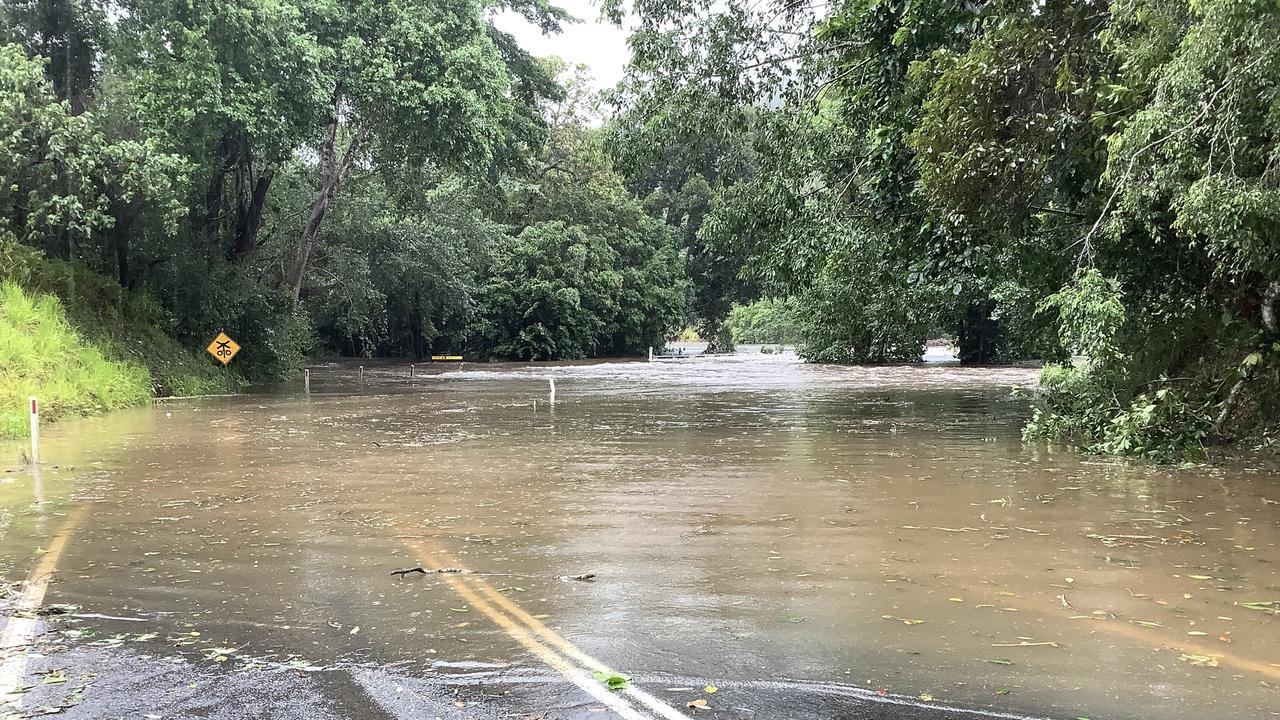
[(1079, 405), (994, 170), (549, 294), (590, 273), (561, 291), (41, 355), (1091, 314), (875, 321), (62, 178), (612, 680), (765, 321), (126, 326), (294, 171), (393, 283)]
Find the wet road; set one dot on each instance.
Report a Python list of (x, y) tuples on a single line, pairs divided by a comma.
[(814, 542)]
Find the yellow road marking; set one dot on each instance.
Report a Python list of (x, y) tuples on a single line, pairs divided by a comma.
[(1147, 637), (459, 584), (1190, 648), (20, 630), (570, 649)]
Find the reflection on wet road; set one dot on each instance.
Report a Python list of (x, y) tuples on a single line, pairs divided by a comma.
[(807, 539)]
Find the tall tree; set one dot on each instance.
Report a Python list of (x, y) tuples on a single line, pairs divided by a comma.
[(68, 34), (423, 82)]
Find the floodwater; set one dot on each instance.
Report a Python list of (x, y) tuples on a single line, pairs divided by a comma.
[(752, 523)]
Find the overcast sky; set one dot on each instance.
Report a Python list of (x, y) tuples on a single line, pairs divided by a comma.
[(598, 45)]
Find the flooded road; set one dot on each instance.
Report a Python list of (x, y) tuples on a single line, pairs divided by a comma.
[(814, 542)]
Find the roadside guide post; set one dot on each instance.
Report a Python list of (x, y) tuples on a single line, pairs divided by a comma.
[(35, 430), (553, 390)]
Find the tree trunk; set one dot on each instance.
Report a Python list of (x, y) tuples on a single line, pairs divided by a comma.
[(979, 336), (331, 178), (120, 243), (415, 325), (249, 218), (1229, 407), (303, 254), (208, 225), (1271, 307)]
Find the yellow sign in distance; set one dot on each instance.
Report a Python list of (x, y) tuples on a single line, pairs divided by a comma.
[(223, 348), (446, 357)]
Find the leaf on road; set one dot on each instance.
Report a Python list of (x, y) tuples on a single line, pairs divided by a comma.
[(612, 680)]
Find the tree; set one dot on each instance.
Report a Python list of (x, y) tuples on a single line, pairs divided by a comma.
[(65, 186), (589, 272), (68, 34), (417, 82), (401, 279), (236, 87)]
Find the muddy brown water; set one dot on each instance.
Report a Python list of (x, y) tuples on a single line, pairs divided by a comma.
[(749, 519)]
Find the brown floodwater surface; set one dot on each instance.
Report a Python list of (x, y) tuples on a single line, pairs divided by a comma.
[(750, 520)]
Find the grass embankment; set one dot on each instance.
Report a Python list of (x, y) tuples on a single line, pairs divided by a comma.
[(84, 345)]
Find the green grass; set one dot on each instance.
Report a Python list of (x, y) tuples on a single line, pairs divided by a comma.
[(41, 355), (84, 345)]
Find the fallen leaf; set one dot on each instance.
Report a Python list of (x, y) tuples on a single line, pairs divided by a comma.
[(612, 680), (699, 704), (1199, 660)]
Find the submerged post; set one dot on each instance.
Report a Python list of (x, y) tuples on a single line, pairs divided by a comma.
[(553, 390), (411, 369), (650, 353), (361, 373), (35, 428), (306, 381)]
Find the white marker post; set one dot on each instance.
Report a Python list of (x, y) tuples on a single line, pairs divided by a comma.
[(410, 371), (650, 353), (361, 373), (306, 381), (35, 428), (553, 390)]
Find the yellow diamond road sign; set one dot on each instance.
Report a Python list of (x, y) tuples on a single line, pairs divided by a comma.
[(223, 348)]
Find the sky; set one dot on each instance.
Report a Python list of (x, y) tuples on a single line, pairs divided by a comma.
[(596, 44)]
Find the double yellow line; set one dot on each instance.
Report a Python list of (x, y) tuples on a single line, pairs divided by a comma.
[(549, 646)]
